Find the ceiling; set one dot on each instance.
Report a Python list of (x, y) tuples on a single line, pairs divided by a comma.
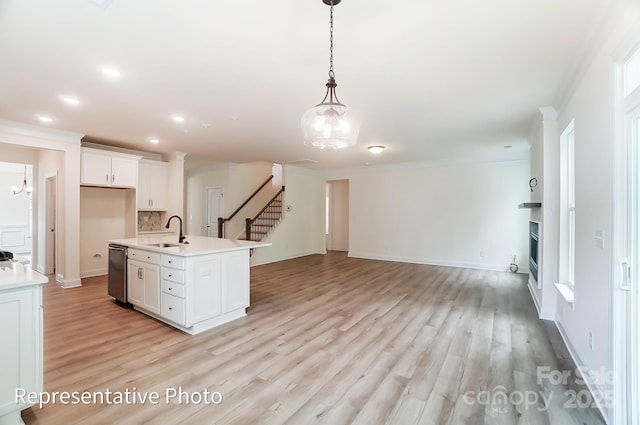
[(430, 80)]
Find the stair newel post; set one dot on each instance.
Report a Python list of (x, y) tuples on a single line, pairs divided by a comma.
[(220, 227), (247, 229)]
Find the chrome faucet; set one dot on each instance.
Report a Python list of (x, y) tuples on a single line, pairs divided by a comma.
[(181, 237)]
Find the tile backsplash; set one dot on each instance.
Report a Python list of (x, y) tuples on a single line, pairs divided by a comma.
[(149, 221)]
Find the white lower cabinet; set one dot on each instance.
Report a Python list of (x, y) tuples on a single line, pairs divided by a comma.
[(21, 354), (197, 292), (143, 285)]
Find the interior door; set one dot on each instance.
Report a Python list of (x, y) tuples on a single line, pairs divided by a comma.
[(50, 224), (215, 209)]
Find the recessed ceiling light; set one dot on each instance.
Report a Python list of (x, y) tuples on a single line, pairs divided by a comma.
[(45, 118), (110, 72), (206, 125), (154, 141), (70, 100), (177, 118), (376, 149), (234, 118)]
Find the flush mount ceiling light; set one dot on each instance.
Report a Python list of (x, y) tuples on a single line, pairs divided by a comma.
[(70, 100), (376, 149), (45, 119), (110, 72), (330, 125)]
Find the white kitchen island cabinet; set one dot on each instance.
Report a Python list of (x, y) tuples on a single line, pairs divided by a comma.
[(21, 356), (201, 285)]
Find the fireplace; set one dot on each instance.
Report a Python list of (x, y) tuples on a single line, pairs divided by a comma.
[(534, 242)]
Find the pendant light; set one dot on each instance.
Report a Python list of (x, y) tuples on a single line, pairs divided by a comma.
[(16, 191), (330, 125)]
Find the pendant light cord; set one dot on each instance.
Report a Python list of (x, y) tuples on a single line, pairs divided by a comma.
[(331, 73)]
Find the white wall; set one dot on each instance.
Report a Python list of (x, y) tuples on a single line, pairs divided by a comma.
[(457, 215), (15, 208), (102, 217)]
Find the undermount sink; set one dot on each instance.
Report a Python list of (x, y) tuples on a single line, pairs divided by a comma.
[(162, 245)]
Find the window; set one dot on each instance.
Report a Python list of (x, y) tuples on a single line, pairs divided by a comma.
[(567, 206)]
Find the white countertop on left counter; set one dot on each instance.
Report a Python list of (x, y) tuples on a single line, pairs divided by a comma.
[(198, 245), (14, 274)]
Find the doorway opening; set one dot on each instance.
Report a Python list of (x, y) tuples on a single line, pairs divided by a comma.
[(215, 210), (337, 215)]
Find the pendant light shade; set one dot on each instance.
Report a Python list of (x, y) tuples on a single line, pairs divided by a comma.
[(330, 124)]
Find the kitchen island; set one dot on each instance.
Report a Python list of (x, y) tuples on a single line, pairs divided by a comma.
[(192, 286), (21, 357)]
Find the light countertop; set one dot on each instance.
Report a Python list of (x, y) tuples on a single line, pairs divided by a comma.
[(14, 274), (198, 245)]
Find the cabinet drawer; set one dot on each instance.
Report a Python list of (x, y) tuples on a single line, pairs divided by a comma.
[(146, 256), (173, 288), (173, 261), (173, 275), (172, 308)]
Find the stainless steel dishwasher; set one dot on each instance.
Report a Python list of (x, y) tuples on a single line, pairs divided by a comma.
[(117, 278)]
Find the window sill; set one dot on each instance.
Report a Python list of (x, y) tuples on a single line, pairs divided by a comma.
[(566, 291)]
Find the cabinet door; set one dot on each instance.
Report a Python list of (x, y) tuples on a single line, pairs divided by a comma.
[(152, 288), (124, 172), (158, 186), (152, 186), (95, 169), (143, 285), (20, 357), (135, 282), (235, 280)]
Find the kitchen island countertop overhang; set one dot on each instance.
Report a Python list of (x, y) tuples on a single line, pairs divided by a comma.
[(197, 245)]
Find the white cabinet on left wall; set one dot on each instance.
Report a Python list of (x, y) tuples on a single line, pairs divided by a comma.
[(153, 178), (108, 169)]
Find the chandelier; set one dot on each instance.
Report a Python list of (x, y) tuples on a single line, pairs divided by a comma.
[(329, 124), (27, 189)]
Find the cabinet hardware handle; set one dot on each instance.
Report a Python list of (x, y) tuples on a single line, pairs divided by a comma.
[(106, 178), (148, 257), (113, 178), (170, 308), (170, 275), (170, 288)]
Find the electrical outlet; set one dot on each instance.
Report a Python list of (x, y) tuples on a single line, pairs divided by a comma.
[(590, 340)]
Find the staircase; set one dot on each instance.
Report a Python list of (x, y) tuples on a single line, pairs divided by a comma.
[(260, 226)]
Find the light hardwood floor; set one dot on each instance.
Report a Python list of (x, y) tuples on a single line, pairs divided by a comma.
[(327, 340)]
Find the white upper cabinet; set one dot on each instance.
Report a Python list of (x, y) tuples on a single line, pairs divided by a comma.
[(152, 185), (109, 169)]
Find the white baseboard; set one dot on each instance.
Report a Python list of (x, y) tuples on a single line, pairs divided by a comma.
[(593, 387), (94, 272), (71, 283), (259, 262), (435, 262), (536, 302)]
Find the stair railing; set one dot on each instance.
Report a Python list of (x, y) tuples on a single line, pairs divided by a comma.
[(249, 221), (222, 221)]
